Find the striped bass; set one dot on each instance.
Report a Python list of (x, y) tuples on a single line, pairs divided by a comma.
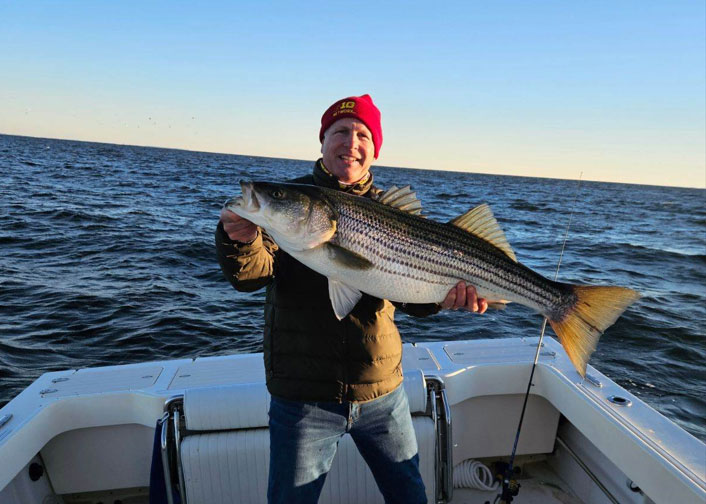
[(385, 248)]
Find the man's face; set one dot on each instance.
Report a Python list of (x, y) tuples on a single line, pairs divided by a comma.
[(348, 150)]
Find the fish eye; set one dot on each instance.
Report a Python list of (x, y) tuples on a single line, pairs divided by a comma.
[(277, 194)]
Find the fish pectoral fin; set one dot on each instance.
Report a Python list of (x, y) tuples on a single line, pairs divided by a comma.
[(347, 258), (343, 298), (481, 222)]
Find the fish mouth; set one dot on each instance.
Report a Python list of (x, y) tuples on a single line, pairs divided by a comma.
[(247, 201)]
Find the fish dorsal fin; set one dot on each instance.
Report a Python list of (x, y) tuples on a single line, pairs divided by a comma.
[(402, 199), (481, 222), (343, 298)]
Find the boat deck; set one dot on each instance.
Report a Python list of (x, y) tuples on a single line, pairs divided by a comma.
[(539, 485)]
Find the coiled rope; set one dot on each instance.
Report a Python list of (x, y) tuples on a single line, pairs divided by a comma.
[(473, 474)]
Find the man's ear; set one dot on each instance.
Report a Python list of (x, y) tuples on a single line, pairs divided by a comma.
[(322, 147)]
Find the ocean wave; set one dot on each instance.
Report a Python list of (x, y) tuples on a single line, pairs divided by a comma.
[(445, 196), (81, 216), (531, 207), (637, 251)]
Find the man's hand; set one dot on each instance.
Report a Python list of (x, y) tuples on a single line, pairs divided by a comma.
[(466, 297), (237, 228)]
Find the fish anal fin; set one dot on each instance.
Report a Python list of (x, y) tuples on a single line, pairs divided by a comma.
[(347, 258), (595, 310), (481, 222), (343, 298)]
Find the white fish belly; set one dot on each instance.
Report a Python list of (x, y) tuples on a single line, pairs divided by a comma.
[(394, 286)]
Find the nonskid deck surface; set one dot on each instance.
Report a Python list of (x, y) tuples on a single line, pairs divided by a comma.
[(123, 496), (539, 485)]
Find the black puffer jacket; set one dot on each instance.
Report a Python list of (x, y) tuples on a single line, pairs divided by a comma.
[(309, 354)]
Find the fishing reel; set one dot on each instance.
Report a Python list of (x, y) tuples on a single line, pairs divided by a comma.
[(509, 486), (510, 489)]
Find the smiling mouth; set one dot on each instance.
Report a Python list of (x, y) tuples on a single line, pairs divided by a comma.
[(348, 159)]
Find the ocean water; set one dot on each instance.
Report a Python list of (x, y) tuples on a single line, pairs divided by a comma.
[(107, 257)]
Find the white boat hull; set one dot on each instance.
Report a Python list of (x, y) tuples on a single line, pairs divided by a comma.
[(91, 430)]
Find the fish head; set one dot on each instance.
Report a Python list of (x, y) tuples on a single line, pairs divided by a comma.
[(297, 216)]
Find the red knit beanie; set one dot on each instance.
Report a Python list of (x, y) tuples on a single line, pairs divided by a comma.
[(360, 107)]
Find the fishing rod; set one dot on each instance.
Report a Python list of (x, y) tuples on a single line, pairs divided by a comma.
[(510, 487)]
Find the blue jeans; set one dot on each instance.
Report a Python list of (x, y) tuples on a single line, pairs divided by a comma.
[(304, 437)]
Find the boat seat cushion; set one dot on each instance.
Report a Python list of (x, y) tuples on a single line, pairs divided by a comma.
[(245, 405), (227, 459), (228, 467)]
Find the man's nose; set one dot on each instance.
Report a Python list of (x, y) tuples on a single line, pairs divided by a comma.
[(351, 140)]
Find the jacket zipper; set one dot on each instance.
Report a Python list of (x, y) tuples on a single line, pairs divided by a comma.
[(344, 396)]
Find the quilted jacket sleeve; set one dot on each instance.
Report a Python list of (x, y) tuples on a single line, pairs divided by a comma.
[(247, 266)]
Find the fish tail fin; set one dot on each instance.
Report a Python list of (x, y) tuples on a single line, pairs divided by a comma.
[(594, 311)]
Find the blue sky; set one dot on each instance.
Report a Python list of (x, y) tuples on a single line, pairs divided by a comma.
[(616, 90)]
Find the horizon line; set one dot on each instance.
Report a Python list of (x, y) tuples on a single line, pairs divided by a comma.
[(381, 166)]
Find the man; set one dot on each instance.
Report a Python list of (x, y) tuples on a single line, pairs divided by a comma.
[(328, 377)]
